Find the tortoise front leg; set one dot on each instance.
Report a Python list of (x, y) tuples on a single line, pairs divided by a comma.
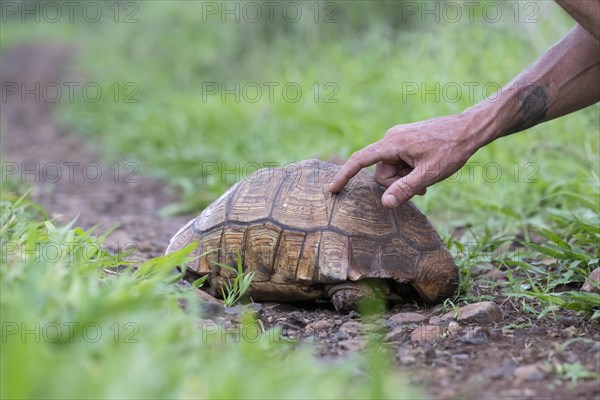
[(348, 295)]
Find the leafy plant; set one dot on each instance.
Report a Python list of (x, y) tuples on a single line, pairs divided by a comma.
[(125, 335), (573, 372), (232, 292)]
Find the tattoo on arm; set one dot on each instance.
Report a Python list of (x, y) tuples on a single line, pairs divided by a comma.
[(533, 107)]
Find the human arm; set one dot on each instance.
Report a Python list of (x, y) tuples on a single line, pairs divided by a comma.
[(414, 156), (585, 12)]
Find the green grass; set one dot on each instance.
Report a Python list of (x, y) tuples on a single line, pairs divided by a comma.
[(201, 144), (232, 292), (547, 265), (74, 327)]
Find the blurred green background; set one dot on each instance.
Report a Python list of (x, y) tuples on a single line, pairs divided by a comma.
[(191, 86)]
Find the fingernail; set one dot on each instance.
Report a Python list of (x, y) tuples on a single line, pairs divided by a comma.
[(391, 200)]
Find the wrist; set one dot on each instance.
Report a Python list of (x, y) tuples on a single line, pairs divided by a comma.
[(483, 125)]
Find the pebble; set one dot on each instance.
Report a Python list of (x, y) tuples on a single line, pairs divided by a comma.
[(569, 332), (353, 344), (529, 373), (426, 333), (397, 334), (341, 336), (495, 333), (503, 371), (406, 318), (485, 312), (460, 357), (442, 320), (476, 336), (319, 326), (453, 328), (407, 359), (351, 328), (406, 355), (383, 323), (588, 286), (207, 300)]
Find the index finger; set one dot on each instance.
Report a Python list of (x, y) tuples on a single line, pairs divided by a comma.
[(357, 161)]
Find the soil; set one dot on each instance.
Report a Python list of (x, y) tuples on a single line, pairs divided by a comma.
[(509, 357)]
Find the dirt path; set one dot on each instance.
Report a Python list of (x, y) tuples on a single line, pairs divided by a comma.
[(496, 354), (67, 175)]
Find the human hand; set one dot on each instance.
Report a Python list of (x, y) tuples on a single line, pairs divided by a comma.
[(414, 156)]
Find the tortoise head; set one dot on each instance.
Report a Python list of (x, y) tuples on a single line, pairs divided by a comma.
[(437, 276)]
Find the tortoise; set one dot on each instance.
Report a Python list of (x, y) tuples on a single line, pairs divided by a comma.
[(304, 243)]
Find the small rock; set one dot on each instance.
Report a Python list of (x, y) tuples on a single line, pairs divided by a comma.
[(529, 373), (397, 334), (566, 320), (352, 344), (353, 328), (426, 333), (319, 326), (322, 334), (297, 318), (341, 336), (495, 333), (484, 312), (443, 320), (406, 355), (407, 359), (212, 310), (406, 318), (503, 371), (475, 336), (206, 298), (536, 330), (428, 351), (460, 357), (588, 286), (383, 323), (453, 328)]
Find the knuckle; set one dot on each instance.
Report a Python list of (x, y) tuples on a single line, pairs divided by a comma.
[(390, 132), (354, 155), (405, 190), (379, 179)]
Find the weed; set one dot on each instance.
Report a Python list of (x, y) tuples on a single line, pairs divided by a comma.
[(573, 372), (125, 335), (232, 292)]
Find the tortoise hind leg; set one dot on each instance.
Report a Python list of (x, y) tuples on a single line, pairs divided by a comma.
[(347, 296)]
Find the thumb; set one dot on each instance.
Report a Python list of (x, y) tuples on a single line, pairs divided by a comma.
[(402, 190)]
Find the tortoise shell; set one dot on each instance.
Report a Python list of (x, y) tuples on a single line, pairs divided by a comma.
[(299, 239)]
